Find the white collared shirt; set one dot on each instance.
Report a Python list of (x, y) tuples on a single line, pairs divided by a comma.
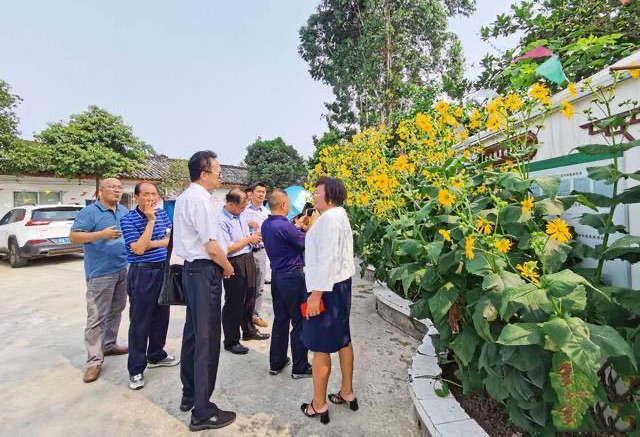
[(258, 215), (194, 223), (328, 253)]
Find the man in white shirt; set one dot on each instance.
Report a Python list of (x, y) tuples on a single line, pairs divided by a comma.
[(255, 214), (196, 240)]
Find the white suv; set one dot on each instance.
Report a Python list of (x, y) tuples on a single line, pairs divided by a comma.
[(37, 231)]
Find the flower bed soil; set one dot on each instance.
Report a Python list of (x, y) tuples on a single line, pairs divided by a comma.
[(491, 415)]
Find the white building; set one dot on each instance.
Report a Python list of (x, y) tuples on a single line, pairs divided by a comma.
[(557, 157), (18, 190)]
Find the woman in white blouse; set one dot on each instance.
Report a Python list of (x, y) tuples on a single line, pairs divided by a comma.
[(329, 267)]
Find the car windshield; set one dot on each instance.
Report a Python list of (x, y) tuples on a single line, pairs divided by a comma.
[(58, 214)]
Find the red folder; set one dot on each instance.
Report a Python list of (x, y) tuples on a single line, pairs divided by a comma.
[(303, 308)]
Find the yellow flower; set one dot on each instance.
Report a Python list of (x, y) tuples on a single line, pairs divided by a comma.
[(634, 72), (445, 234), (468, 247), (475, 116), (445, 198), (558, 229), (482, 189), (424, 122), (567, 109), (527, 204), (466, 154), (528, 270), (457, 182), (540, 93), (484, 226), (572, 90), (513, 102), (458, 112), (503, 246), (492, 106), (464, 134), (442, 107)]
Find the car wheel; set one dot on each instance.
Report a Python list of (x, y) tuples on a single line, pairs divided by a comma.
[(15, 259)]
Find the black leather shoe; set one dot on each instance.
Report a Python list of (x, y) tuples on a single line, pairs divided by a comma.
[(256, 336), (186, 404), (237, 349), (218, 420), (279, 369)]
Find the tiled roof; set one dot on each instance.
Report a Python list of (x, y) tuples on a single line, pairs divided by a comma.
[(157, 168)]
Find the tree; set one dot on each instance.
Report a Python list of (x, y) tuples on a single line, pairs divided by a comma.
[(274, 163), (587, 35), (327, 139), (8, 118), (372, 52), (95, 143), (177, 178)]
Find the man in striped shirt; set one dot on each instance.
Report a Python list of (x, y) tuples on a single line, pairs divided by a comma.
[(145, 230)]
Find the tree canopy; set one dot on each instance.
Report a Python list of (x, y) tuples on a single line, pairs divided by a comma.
[(8, 118), (95, 143), (327, 139), (373, 52), (274, 163), (587, 35)]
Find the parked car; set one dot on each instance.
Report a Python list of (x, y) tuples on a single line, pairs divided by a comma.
[(37, 231)]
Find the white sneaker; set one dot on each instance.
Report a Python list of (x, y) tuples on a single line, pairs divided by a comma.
[(168, 361), (136, 382)]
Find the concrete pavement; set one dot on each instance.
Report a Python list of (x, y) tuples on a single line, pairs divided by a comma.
[(42, 356)]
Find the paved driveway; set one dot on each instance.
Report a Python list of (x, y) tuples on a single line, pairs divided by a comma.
[(42, 356)]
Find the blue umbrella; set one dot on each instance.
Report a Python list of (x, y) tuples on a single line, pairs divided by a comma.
[(298, 196)]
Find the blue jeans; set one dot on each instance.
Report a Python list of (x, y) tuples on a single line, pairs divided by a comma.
[(288, 291)]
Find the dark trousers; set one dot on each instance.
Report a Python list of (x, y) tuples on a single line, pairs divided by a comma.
[(239, 299), (288, 291), (202, 284), (148, 321)]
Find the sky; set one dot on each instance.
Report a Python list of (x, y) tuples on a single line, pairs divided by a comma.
[(187, 75)]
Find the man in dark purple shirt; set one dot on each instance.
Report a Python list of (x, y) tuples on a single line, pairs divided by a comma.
[(284, 243)]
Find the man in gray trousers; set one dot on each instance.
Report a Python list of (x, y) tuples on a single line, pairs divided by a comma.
[(97, 226)]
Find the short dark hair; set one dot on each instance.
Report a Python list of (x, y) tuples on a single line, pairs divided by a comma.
[(256, 185), (273, 197), (136, 189), (334, 190), (235, 196), (199, 162), (248, 190)]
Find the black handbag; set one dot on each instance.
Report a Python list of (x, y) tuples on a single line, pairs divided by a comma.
[(171, 292)]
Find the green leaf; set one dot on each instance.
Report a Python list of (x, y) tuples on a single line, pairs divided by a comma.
[(626, 248), (575, 392), (420, 309), (632, 195), (628, 298), (479, 204), (495, 387), (499, 281), (513, 182), (464, 345), (478, 265), (549, 207), (550, 185), (442, 392), (554, 255), (442, 301), (483, 313), (429, 278), (520, 334), (434, 249), (528, 296), (409, 247), (516, 384), (606, 173), (513, 214), (605, 149), (611, 342), (568, 286), (448, 260), (593, 200), (571, 336), (424, 212)]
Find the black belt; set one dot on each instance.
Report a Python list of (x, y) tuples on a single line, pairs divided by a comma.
[(148, 265)]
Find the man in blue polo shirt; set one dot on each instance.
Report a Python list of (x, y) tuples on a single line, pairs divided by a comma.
[(97, 226), (145, 231)]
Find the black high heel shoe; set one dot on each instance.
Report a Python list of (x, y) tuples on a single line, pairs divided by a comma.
[(324, 417), (336, 398)]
